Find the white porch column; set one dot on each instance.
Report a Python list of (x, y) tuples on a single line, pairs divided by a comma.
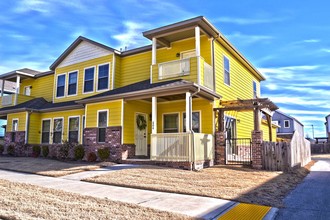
[(188, 112), (197, 41), (18, 79), (2, 87), (154, 51), (154, 116)]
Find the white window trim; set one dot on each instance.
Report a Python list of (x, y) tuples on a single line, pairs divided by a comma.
[(76, 116), (83, 86), (12, 123), (223, 60), (50, 130), (83, 120), (288, 124), (200, 120), (97, 78), (29, 86), (171, 113), (65, 86), (62, 129), (67, 92), (103, 110)]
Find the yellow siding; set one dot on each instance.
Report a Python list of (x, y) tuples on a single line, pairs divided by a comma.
[(41, 87), (135, 68), (114, 108), (21, 116), (265, 131), (80, 67), (34, 128), (118, 72), (130, 110), (205, 108), (61, 114), (241, 87)]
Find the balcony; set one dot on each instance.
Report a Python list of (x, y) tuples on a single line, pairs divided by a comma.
[(185, 69), (14, 99), (187, 147)]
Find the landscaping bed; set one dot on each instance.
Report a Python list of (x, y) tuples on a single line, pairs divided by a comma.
[(47, 167), (225, 182), (24, 201)]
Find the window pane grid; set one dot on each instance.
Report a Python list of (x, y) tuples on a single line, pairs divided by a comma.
[(103, 77), (89, 80), (60, 86), (72, 90)]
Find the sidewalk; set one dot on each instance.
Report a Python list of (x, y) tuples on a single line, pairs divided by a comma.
[(195, 206), (310, 200)]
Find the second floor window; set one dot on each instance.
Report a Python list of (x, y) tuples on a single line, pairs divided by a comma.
[(89, 80), (286, 124), (60, 86), (255, 94), (103, 77), (226, 70), (72, 87), (102, 125)]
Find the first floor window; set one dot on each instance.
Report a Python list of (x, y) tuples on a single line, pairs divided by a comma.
[(73, 129), (195, 122), (103, 77), (102, 125), (45, 131), (171, 123), (14, 129), (57, 131), (60, 86)]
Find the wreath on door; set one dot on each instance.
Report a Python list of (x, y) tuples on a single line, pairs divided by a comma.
[(141, 122)]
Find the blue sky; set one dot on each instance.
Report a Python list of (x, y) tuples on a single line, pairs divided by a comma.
[(288, 41)]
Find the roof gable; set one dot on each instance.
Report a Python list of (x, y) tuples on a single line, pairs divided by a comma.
[(80, 50)]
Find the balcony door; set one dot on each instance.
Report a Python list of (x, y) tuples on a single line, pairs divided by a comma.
[(141, 134)]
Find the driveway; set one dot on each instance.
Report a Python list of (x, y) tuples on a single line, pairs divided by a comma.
[(311, 198)]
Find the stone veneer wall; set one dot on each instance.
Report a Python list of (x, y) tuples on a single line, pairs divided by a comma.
[(118, 151), (220, 148), (257, 138)]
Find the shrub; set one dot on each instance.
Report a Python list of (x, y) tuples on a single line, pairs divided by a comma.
[(91, 157), (103, 153), (63, 151), (79, 152), (11, 150), (36, 151), (1, 149), (45, 151)]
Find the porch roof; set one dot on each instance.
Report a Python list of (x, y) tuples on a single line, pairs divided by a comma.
[(247, 104), (145, 89)]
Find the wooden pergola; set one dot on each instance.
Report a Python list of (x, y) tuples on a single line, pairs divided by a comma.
[(257, 105)]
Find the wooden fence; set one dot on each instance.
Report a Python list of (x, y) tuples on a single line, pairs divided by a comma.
[(323, 148), (282, 156)]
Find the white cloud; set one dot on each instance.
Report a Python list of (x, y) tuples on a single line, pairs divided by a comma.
[(33, 5), (287, 72), (246, 21), (311, 41), (132, 36), (326, 50), (248, 39), (271, 86)]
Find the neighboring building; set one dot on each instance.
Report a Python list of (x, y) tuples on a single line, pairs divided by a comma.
[(327, 126), (158, 100), (287, 125)]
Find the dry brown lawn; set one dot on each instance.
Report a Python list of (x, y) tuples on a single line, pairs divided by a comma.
[(225, 182), (46, 167), (24, 201)]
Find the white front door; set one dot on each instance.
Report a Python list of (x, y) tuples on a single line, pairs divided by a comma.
[(140, 134)]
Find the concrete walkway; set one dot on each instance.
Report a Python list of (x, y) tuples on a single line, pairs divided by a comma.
[(195, 206), (311, 198)]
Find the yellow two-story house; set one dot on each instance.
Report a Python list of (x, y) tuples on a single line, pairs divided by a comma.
[(159, 101)]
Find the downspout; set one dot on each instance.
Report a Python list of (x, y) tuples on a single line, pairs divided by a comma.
[(192, 131)]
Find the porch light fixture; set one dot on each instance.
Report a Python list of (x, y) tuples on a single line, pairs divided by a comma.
[(177, 55)]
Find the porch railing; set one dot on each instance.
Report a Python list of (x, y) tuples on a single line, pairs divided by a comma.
[(182, 147), (208, 76), (174, 68)]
